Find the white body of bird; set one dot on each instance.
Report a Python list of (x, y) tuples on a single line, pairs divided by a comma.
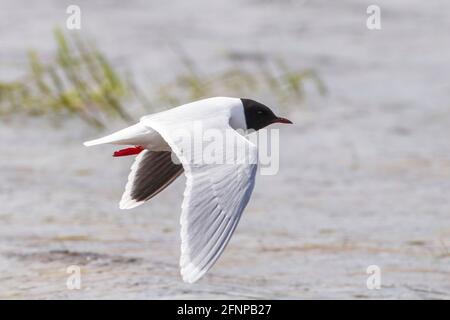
[(215, 195)]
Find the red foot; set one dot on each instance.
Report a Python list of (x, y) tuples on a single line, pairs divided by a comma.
[(128, 151)]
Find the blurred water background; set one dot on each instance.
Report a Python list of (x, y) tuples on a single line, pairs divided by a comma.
[(364, 173)]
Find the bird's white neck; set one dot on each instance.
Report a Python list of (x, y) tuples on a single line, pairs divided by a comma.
[(237, 116)]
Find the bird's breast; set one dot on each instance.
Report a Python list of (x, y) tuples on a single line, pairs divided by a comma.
[(155, 142)]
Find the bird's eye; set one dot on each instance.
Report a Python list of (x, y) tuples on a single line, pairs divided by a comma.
[(260, 112)]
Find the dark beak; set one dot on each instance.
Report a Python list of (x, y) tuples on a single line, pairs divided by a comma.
[(282, 120)]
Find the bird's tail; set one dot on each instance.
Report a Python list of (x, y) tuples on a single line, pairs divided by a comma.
[(133, 135)]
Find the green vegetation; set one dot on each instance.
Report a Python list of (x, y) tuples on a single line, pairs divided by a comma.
[(79, 80)]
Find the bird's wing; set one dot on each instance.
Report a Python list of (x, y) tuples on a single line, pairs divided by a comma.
[(151, 172), (215, 194)]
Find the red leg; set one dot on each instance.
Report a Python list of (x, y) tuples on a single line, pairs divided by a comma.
[(128, 151)]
